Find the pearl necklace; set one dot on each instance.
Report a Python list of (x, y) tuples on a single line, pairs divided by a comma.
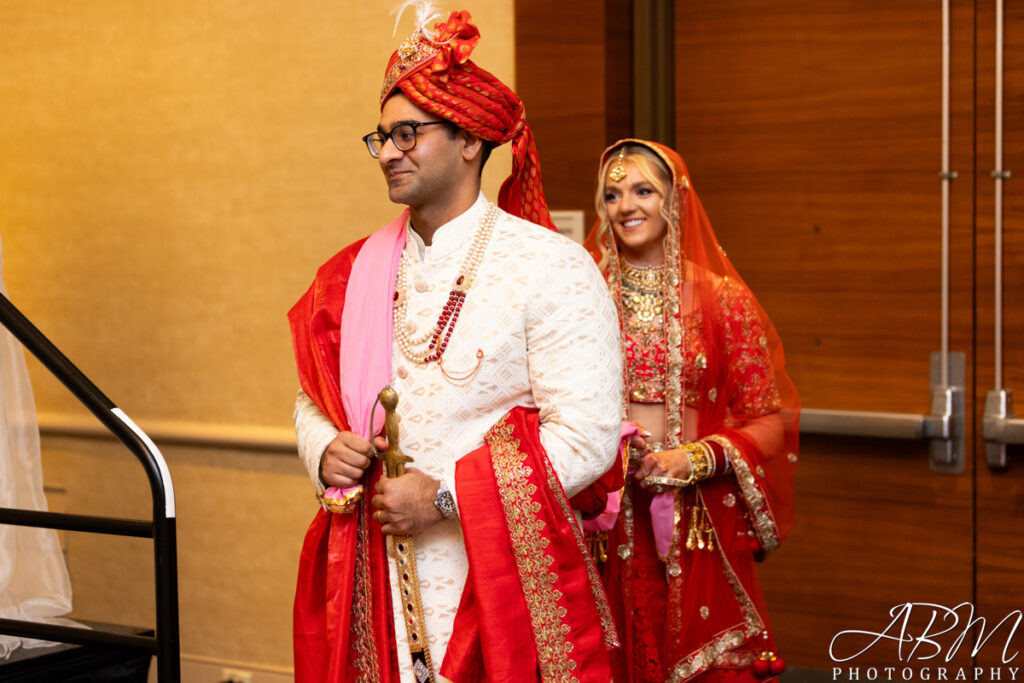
[(437, 337)]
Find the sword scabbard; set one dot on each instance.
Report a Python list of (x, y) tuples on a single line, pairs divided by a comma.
[(404, 550)]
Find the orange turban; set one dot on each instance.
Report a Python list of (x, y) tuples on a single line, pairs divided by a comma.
[(437, 75)]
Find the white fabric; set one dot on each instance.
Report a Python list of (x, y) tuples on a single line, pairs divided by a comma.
[(314, 432), (541, 313), (34, 582)]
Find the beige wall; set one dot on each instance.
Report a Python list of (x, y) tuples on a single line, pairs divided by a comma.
[(171, 175)]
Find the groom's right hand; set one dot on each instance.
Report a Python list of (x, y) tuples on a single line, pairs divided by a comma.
[(346, 459)]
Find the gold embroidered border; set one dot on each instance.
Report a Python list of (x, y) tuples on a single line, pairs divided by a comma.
[(604, 612), (701, 660), (764, 522), (673, 557), (736, 660), (675, 405), (424, 52), (362, 605), (625, 550), (532, 561), (719, 651), (615, 287)]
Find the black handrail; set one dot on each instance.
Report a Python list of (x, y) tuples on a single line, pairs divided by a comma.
[(166, 643)]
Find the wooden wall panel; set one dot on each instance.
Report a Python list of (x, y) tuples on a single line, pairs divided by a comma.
[(1000, 495), (812, 133), (172, 175), (573, 72)]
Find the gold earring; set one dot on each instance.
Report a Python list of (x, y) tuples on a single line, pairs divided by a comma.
[(618, 172)]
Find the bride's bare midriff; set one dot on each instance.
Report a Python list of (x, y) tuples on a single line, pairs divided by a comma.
[(651, 416)]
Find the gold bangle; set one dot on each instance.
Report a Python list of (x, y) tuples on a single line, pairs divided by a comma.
[(665, 481), (701, 459)]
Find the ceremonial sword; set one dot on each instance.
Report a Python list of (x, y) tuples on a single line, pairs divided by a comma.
[(403, 550)]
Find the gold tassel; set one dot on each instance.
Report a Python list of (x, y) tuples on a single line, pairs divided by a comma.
[(701, 535), (692, 537), (709, 530), (597, 543)]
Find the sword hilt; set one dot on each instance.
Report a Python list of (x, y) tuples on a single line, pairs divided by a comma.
[(394, 459)]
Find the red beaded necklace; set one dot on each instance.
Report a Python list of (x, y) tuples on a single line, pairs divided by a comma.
[(437, 337)]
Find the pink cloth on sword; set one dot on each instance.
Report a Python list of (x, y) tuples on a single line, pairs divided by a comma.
[(367, 330)]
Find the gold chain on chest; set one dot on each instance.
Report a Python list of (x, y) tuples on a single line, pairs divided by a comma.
[(643, 294)]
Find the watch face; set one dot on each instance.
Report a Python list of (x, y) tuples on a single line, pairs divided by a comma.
[(445, 503)]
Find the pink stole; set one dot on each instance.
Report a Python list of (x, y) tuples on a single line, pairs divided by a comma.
[(367, 330)]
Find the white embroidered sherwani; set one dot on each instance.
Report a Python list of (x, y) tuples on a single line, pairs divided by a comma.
[(540, 312)]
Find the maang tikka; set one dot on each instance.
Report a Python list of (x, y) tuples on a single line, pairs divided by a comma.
[(618, 171)]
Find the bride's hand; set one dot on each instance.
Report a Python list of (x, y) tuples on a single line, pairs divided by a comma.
[(674, 464)]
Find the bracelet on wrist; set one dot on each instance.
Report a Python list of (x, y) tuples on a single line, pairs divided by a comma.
[(702, 461)]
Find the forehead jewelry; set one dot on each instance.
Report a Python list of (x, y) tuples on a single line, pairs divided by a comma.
[(618, 172)]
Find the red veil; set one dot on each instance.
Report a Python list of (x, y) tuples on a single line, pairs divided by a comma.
[(725, 364)]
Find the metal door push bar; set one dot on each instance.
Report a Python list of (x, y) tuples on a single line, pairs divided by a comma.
[(943, 427)]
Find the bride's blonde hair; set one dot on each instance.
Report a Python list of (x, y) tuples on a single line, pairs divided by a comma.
[(652, 169)]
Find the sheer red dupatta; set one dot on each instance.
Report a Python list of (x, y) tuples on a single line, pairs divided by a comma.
[(342, 612), (726, 383), (756, 409)]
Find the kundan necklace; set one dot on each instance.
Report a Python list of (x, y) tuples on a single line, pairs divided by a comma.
[(643, 291), (437, 337)]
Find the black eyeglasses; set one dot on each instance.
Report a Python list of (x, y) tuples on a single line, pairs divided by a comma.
[(403, 135)]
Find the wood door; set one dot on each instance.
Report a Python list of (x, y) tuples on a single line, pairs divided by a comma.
[(812, 133), (1000, 495)]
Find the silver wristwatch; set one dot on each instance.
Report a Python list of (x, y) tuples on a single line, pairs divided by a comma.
[(445, 502)]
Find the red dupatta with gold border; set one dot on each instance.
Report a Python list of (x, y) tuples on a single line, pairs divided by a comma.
[(534, 608)]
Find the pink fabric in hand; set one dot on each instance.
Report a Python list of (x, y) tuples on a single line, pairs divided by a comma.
[(367, 331)]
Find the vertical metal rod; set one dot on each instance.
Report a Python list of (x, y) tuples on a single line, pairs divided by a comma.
[(946, 180), (999, 176), (165, 543)]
